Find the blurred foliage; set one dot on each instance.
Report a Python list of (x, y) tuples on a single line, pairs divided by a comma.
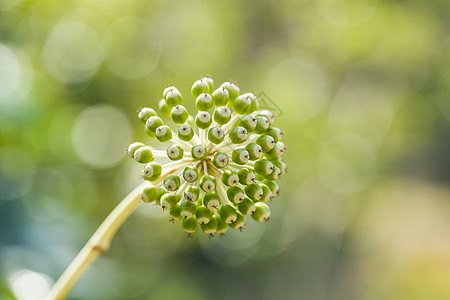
[(364, 88)]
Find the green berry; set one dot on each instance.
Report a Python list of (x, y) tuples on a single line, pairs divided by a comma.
[(277, 151), (216, 135), (273, 185), (143, 155), (161, 192), (254, 102), (228, 213), (163, 133), (248, 122), (133, 147), (239, 222), (164, 108), (153, 123), (221, 225), (185, 132), (172, 182), (211, 226), (191, 193), (208, 183), (179, 114), (262, 212), (275, 175), (242, 104), (266, 142), (187, 209), (190, 174), (152, 171), (268, 114), (203, 120), (173, 97), (235, 194), (145, 113), (198, 152), (149, 194), (189, 225), (240, 156), (230, 178), (263, 167), (211, 201), (233, 90), (175, 213), (168, 201), (204, 102), (210, 82), (168, 89), (280, 164), (275, 132), (203, 214), (254, 150), (254, 191), (262, 124), (267, 192), (246, 176), (220, 97), (199, 87), (222, 115), (175, 152), (219, 160), (238, 135), (247, 207)]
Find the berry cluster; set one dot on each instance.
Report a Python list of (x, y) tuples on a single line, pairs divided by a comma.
[(224, 161)]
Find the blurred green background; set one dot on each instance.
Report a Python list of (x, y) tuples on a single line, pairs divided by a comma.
[(364, 212)]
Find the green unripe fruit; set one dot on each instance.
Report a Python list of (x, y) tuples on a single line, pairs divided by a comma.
[(179, 114), (273, 185), (210, 227), (175, 213), (235, 194), (208, 183), (275, 175), (172, 182), (175, 152), (198, 152), (233, 90), (228, 213), (190, 174), (153, 123), (204, 102), (266, 142), (152, 171), (203, 120), (276, 152), (216, 135), (248, 122), (133, 147), (168, 201), (240, 156), (211, 201), (210, 82), (242, 104), (239, 222), (254, 191), (163, 133), (222, 115), (203, 214), (262, 212), (230, 178), (161, 192), (149, 194), (185, 132), (263, 167), (262, 123), (254, 150), (191, 193), (267, 192), (220, 97), (280, 164), (247, 207), (199, 87), (246, 176), (219, 160), (164, 108), (254, 102), (168, 89), (145, 113), (173, 97), (275, 132), (238, 135), (268, 114), (143, 155), (189, 225), (221, 225), (187, 209)]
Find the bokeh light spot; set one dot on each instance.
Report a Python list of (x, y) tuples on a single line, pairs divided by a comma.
[(29, 285), (10, 72)]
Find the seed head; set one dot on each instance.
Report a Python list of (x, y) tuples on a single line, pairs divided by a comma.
[(224, 160)]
